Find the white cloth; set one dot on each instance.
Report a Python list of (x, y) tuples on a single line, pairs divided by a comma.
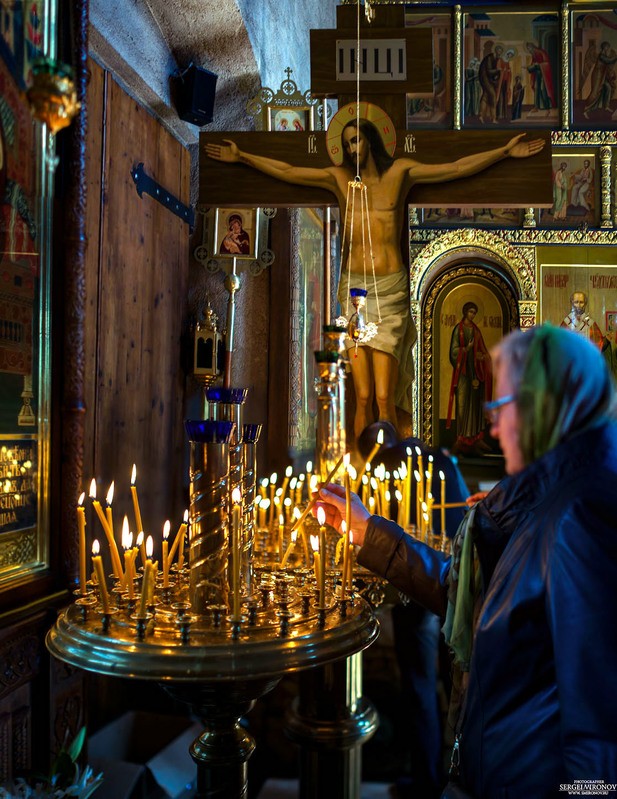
[(396, 333)]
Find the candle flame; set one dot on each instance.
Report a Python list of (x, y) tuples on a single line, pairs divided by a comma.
[(315, 543), (416, 474), (352, 472), (93, 489), (140, 538), (343, 527), (287, 502), (166, 529), (398, 495), (418, 451), (281, 520), (96, 547), (380, 437), (294, 535), (273, 478), (441, 475), (351, 537), (408, 451), (278, 492), (371, 502), (265, 504), (125, 533), (309, 466), (293, 483), (430, 458), (236, 496), (82, 496), (133, 475), (301, 477), (289, 471), (264, 482), (149, 546), (186, 516), (297, 512), (110, 494), (321, 516), (258, 500), (346, 459)]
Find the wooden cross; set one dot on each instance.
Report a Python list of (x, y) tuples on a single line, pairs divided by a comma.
[(512, 183), (394, 61)]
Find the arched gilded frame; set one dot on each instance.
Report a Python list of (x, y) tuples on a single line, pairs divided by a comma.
[(498, 261)]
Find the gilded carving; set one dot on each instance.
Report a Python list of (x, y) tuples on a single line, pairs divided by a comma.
[(565, 66), (605, 187), (458, 66)]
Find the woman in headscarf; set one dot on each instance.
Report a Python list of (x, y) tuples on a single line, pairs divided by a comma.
[(530, 592)]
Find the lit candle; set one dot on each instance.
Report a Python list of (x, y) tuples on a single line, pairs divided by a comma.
[(281, 534), (263, 488), (273, 479), (178, 540), (113, 547), (129, 556), (236, 517), (136, 509), (263, 510), (408, 485), (316, 563), (165, 553), (97, 563), (347, 525), (350, 562), (289, 549), (287, 507), (182, 537), (321, 518), (442, 511), (416, 475), (288, 473), (108, 514), (421, 472), (141, 544), (145, 589), (81, 523)]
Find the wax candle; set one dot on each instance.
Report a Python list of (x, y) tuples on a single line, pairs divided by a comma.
[(316, 563), (289, 549), (273, 479), (145, 589), (350, 562), (288, 473), (136, 509), (141, 544), (421, 473), (236, 521), (263, 510), (129, 556), (442, 478), (321, 518), (281, 534), (416, 475), (97, 563), (111, 539), (165, 553), (408, 484), (182, 537), (263, 488), (179, 537), (347, 525), (81, 524), (104, 519)]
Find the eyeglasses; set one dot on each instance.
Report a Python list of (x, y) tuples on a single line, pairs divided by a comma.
[(491, 409)]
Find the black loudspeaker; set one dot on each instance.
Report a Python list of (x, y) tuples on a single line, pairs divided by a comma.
[(192, 93)]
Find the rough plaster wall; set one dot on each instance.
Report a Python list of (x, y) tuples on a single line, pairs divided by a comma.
[(279, 33)]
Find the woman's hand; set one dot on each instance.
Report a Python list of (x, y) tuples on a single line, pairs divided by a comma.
[(332, 500)]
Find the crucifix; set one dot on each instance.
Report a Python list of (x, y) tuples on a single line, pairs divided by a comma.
[(394, 169)]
